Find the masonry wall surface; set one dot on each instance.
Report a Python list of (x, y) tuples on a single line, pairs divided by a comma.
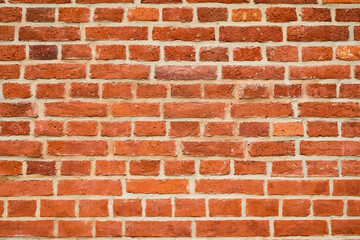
[(206, 119)]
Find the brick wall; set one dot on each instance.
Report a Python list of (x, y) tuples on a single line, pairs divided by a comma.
[(180, 118)]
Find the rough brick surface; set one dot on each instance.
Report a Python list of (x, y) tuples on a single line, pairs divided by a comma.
[(209, 119)]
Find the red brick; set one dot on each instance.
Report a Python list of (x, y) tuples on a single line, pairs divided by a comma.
[(16, 90), (76, 108), (206, 14), (248, 167), (213, 148), (300, 227), (7, 33), (75, 167), (184, 14), (49, 33), (296, 207), (282, 54), (224, 186), (116, 33), (41, 167), (74, 147), (347, 15), (9, 71), (11, 52), (194, 110), (317, 33), (239, 228), (253, 72), (43, 228), (77, 228), (110, 167), (189, 207), (144, 52), (286, 1), (158, 186), (322, 128), (76, 51), (40, 14), (254, 91), (179, 53), (320, 72), (9, 128), (350, 90), (262, 207), (219, 90), (114, 129), (22, 109), (10, 188), (186, 90), (183, 129), (246, 15), (151, 91), (214, 54), (185, 72), (218, 1), (328, 207), (283, 90), (127, 207), (74, 15), (10, 168), (48, 90), (43, 52), (158, 208), (330, 148), (181, 167), (145, 147), (261, 109), (271, 148), (224, 207), (219, 128), (346, 187), (57, 208), (150, 128), (89, 187), (145, 167), (20, 148), (321, 90), (316, 53), (348, 53), (254, 129), (250, 34), (48, 128), (108, 228), (247, 54), (315, 14), (143, 14), (119, 71), (108, 14), (93, 208), (117, 90), (280, 14), (350, 129), (158, 228), (345, 227), (329, 109), (214, 167), (10, 14), (108, 52), (287, 168), (350, 168), (55, 70), (322, 168), (135, 109), (353, 208), (21, 208), (183, 33), (82, 128), (298, 187), (84, 90)]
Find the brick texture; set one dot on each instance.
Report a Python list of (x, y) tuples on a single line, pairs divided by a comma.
[(166, 119)]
